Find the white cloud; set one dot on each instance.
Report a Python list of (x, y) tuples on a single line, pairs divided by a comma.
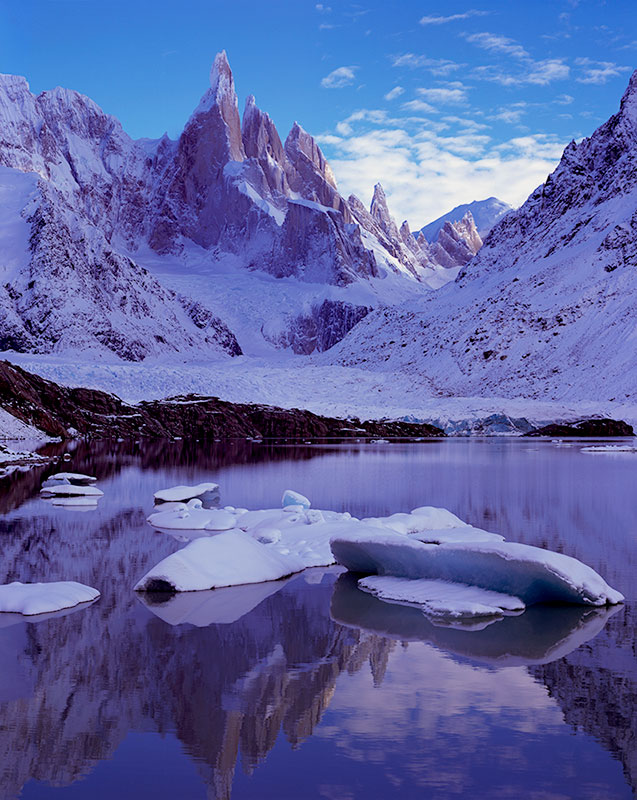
[(564, 99), (498, 44), (511, 114), (322, 9), (443, 95), (394, 93), (598, 72), (435, 19), (338, 78), (538, 73), (420, 107), (425, 173), (437, 66)]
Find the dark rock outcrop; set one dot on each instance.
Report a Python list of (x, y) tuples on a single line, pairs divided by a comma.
[(67, 412), (585, 427)]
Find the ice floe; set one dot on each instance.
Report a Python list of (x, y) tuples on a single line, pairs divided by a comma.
[(208, 493), (529, 573), (227, 559), (429, 558), (441, 598), (77, 478), (42, 598)]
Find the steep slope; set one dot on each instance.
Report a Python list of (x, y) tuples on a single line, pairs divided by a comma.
[(485, 213), (548, 306)]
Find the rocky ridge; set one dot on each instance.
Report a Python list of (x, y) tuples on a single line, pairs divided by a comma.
[(548, 306)]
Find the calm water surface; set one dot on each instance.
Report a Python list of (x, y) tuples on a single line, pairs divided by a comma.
[(309, 688)]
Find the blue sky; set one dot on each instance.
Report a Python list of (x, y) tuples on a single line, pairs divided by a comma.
[(443, 102)]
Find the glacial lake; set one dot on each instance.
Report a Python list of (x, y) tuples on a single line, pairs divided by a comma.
[(307, 687)]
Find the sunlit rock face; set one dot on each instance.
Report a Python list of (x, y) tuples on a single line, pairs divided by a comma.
[(226, 186)]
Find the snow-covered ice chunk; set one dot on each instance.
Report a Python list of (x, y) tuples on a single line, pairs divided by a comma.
[(69, 490), (529, 573), (441, 598), (42, 598), (208, 493), (432, 518), (228, 559), (292, 498), (73, 477), (450, 535), (220, 520)]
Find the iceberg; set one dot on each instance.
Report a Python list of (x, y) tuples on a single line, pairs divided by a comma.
[(529, 573), (292, 498), (227, 559), (441, 598), (234, 546), (43, 598), (77, 478), (208, 493)]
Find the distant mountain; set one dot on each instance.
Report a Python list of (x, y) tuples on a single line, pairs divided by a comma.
[(484, 212), (548, 307), (93, 224)]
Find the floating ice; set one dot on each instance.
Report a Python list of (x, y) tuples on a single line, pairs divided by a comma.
[(529, 573), (228, 559), (73, 477), (42, 598), (284, 540), (447, 567), (291, 498), (208, 493), (441, 598)]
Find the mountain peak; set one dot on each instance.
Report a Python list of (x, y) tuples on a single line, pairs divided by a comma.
[(628, 105), (221, 80)]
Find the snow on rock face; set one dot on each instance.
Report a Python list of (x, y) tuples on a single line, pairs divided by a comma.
[(545, 307), (43, 598), (486, 214), (234, 190)]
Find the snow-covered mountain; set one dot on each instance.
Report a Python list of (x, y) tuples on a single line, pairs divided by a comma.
[(548, 308), (254, 228), (484, 212)]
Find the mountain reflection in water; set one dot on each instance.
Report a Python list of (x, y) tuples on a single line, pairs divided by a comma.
[(362, 695)]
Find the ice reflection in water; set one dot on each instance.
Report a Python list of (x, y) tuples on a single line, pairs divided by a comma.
[(372, 696)]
